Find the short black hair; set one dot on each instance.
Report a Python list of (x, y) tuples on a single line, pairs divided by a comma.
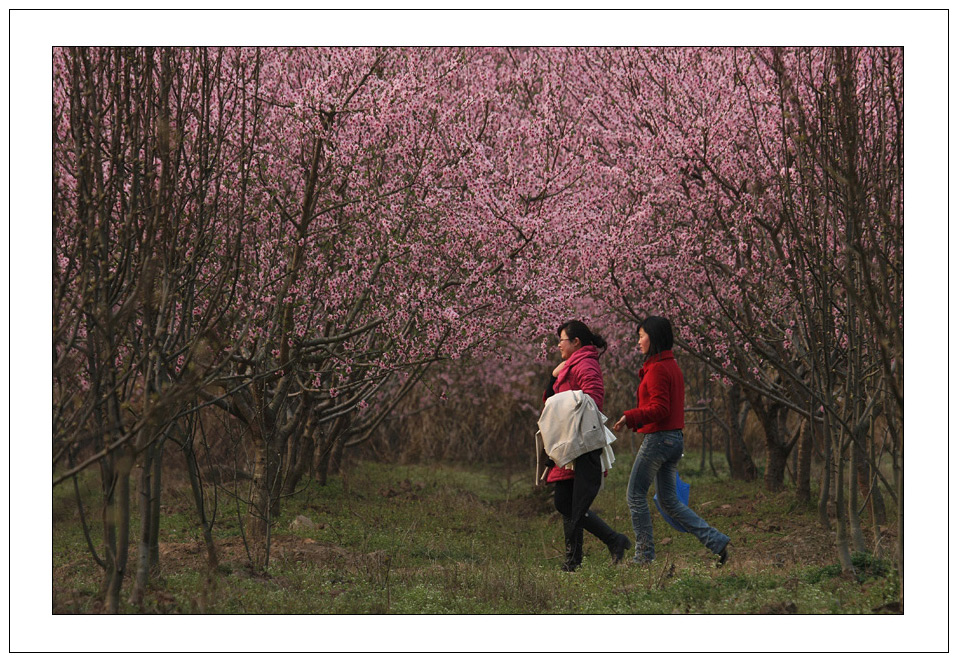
[(576, 329), (659, 331)]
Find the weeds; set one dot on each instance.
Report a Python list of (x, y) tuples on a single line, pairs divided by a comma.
[(443, 540), (866, 566)]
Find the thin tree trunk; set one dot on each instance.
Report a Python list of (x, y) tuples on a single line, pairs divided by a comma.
[(196, 486), (824, 496), (868, 486), (704, 447), (300, 452), (108, 479), (258, 517), (148, 546), (740, 461), (143, 546), (324, 450), (336, 461), (711, 452), (155, 506), (841, 532), (83, 520), (854, 521), (900, 489), (803, 461), (121, 518)]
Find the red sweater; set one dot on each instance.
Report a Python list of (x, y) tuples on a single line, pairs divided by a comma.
[(661, 396)]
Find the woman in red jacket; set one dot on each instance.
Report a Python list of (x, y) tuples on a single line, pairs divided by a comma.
[(660, 415), (577, 487)]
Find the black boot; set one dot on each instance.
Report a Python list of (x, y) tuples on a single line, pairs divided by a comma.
[(616, 542), (573, 545), (617, 549)]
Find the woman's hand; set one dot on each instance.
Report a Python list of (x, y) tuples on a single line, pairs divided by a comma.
[(619, 424), (558, 369)]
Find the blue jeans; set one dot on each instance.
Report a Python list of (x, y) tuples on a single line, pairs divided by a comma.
[(657, 460)]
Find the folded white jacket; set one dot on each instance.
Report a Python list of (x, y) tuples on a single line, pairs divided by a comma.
[(570, 425)]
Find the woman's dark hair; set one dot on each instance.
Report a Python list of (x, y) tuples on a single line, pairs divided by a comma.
[(659, 331), (576, 329)]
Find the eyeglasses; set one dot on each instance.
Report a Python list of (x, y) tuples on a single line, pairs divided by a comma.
[(562, 340)]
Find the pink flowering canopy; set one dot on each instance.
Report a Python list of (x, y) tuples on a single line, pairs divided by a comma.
[(329, 218)]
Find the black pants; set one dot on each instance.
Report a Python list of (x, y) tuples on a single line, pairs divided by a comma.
[(573, 498)]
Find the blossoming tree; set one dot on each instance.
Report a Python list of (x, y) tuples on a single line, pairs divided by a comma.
[(295, 236)]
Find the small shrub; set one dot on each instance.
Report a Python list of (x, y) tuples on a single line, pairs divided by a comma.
[(866, 567)]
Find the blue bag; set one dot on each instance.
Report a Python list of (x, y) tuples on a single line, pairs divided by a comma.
[(682, 490)]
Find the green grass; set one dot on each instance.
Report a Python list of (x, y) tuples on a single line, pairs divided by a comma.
[(447, 540)]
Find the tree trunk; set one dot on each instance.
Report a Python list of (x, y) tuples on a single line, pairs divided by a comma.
[(841, 532), (143, 546), (196, 485), (707, 446), (300, 452), (120, 515), (187, 440), (108, 522), (824, 495), (258, 521), (869, 489), (155, 506), (776, 459), (324, 450), (803, 473), (854, 520), (900, 489), (82, 512), (704, 448), (740, 461), (148, 547), (776, 450), (336, 461)]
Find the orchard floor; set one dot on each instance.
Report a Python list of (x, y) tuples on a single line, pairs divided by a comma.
[(437, 539), (756, 544)]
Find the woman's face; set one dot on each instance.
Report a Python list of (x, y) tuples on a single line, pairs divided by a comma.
[(567, 347), (644, 342)]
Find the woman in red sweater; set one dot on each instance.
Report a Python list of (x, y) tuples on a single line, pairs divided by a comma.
[(660, 415), (577, 487)]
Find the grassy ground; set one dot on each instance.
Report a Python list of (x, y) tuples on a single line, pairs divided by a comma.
[(447, 540)]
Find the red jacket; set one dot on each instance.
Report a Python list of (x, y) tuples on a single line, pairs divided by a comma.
[(581, 373), (661, 396)]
